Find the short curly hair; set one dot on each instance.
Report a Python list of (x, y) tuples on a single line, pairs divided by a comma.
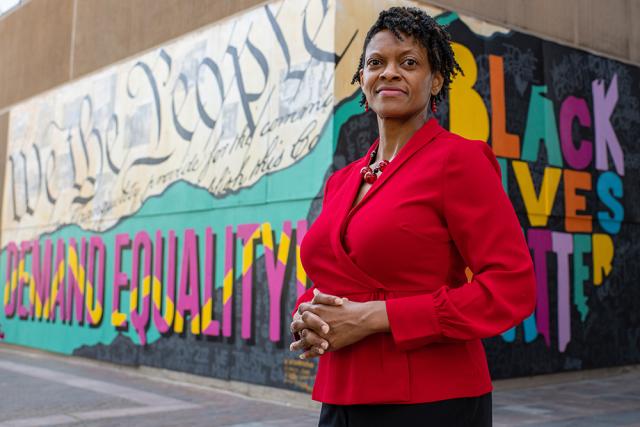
[(415, 22)]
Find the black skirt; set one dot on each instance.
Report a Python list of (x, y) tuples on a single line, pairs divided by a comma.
[(462, 412)]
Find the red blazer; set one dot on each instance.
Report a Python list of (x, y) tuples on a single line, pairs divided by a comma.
[(437, 208)]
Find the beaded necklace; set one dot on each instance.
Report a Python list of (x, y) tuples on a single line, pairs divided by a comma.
[(369, 174)]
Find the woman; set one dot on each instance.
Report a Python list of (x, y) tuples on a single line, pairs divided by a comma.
[(393, 317)]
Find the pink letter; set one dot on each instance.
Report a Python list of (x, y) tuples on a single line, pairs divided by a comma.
[(75, 288), (209, 326), (23, 278), (301, 275), (248, 233), (141, 241), (120, 280), (275, 273), (572, 107), (58, 290), (164, 323), (13, 259), (42, 278), (95, 308), (227, 284), (189, 293)]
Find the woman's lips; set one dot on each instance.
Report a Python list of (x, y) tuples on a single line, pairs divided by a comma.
[(390, 92)]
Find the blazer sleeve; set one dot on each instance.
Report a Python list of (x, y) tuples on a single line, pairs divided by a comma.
[(486, 231)]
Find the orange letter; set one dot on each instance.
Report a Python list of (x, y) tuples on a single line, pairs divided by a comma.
[(574, 180), (504, 144)]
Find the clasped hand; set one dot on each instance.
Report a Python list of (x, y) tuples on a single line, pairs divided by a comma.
[(329, 323)]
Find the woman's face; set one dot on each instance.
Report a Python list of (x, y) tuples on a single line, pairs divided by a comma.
[(397, 78)]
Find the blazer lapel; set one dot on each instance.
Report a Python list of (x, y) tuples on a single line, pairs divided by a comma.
[(351, 187), (343, 202), (418, 140)]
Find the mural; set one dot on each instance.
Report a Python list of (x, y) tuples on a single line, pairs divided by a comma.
[(153, 212), (219, 110)]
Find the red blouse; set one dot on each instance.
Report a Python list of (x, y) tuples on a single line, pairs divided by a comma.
[(439, 206)]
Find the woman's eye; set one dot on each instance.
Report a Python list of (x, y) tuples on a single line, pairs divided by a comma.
[(374, 62), (411, 62)]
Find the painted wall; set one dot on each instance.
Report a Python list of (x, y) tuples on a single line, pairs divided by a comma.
[(153, 211)]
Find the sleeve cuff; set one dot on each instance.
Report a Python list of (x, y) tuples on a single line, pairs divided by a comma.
[(413, 321)]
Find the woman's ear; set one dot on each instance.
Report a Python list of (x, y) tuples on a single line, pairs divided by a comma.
[(436, 83), (361, 82)]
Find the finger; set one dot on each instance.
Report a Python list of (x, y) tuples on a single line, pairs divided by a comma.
[(311, 353), (311, 321), (297, 325), (298, 345), (311, 339), (308, 340), (315, 323), (320, 298), (305, 306)]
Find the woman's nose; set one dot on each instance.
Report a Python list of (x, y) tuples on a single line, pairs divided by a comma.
[(390, 72)]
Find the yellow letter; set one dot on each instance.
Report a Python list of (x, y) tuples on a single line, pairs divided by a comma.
[(468, 115), (602, 256), (538, 207)]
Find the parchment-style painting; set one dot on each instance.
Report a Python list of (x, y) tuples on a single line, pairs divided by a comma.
[(218, 109)]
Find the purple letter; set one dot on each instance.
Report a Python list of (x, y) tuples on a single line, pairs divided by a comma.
[(603, 105), (540, 243), (563, 247)]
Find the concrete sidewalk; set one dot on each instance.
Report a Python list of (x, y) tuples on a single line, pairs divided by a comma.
[(42, 389)]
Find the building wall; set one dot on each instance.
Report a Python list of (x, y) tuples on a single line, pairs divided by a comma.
[(48, 42), (45, 43), (607, 28)]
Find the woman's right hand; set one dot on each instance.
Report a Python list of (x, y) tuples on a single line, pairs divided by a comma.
[(309, 328)]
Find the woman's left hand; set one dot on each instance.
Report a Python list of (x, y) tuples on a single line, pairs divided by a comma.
[(348, 323)]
